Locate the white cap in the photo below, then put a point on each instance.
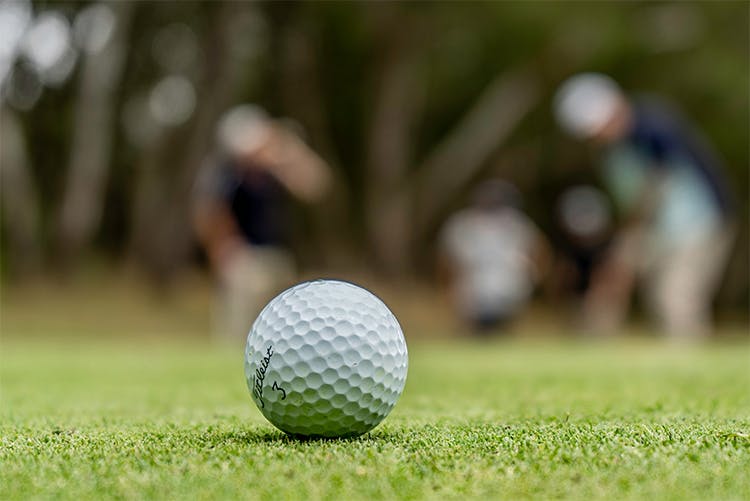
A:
(586, 102)
(243, 129)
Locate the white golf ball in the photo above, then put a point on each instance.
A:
(326, 358)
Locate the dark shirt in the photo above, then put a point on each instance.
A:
(661, 134)
(257, 201)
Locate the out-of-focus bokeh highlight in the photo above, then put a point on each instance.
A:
(488, 168)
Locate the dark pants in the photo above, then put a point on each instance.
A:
(487, 322)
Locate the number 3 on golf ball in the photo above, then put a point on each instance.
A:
(327, 359)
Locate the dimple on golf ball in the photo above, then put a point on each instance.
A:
(326, 358)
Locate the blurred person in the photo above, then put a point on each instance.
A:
(490, 257)
(240, 211)
(677, 217)
(585, 225)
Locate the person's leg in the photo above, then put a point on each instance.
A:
(280, 269)
(683, 287)
(607, 300)
(495, 322)
(240, 278)
(249, 278)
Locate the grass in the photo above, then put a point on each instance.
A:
(477, 420)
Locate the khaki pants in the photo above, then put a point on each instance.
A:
(679, 282)
(249, 278)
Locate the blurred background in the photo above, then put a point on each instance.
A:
(130, 176)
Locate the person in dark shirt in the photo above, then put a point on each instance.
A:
(676, 211)
(253, 191)
(583, 232)
(241, 211)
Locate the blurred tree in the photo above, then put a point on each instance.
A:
(410, 103)
(302, 100)
(93, 133)
(20, 202)
(396, 106)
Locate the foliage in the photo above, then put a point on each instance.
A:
(324, 65)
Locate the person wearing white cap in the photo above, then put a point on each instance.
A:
(676, 209)
(240, 211)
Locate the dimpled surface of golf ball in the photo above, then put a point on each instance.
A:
(326, 358)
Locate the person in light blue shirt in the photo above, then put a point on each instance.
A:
(675, 207)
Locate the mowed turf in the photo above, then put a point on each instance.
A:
(482, 420)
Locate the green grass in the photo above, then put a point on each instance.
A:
(501, 420)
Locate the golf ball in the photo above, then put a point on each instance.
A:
(326, 358)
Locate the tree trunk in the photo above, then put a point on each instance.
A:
(83, 200)
(302, 99)
(396, 104)
(20, 203)
(389, 154)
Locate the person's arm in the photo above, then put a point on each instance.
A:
(659, 147)
(212, 219)
(645, 208)
(607, 299)
(295, 165)
(216, 230)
